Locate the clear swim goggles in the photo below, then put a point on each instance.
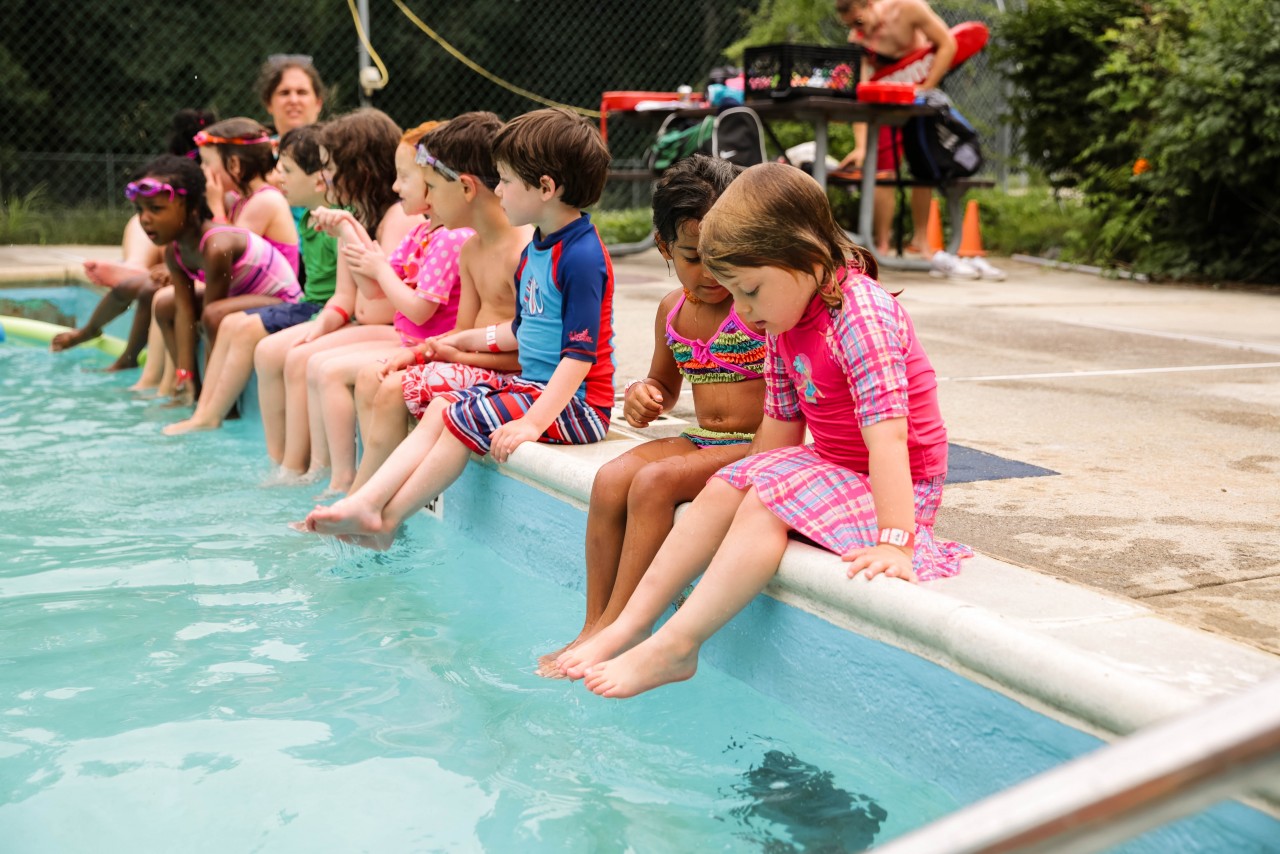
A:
(426, 158)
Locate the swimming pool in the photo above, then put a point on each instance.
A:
(180, 666)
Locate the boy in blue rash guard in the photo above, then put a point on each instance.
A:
(551, 164)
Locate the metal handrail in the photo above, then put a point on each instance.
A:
(1220, 750)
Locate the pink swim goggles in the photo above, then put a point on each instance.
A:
(151, 187)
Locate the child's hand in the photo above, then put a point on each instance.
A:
(642, 404)
(510, 436)
(368, 261)
(442, 350)
(398, 362)
(889, 560)
(328, 220)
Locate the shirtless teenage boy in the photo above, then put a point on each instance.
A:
(487, 266)
(889, 30)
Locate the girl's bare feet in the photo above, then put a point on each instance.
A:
(190, 425)
(660, 660)
(602, 646)
(547, 667)
(348, 516)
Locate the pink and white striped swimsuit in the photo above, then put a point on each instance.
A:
(260, 270)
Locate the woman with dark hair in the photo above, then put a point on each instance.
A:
(291, 91)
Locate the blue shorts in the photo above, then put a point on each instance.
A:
(474, 413)
(285, 314)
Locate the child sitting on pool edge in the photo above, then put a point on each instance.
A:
(551, 164)
(699, 337)
(844, 361)
(231, 363)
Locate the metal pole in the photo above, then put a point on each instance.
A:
(362, 9)
(1173, 769)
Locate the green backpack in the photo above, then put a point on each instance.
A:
(693, 136)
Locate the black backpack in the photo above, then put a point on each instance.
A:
(735, 135)
(942, 147)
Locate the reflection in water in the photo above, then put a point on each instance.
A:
(791, 796)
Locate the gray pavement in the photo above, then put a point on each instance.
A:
(1157, 405)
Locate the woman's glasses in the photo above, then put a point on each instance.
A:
(151, 187)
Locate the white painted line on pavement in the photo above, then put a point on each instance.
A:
(1181, 336)
(1113, 373)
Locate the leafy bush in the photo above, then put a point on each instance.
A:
(1166, 120)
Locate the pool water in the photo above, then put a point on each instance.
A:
(179, 666)
(180, 671)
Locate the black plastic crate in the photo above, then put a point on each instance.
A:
(778, 71)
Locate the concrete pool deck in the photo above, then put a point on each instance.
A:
(1137, 579)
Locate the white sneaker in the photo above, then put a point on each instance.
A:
(944, 265)
(986, 269)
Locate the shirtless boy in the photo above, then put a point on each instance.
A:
(889, 30)
(487, 266)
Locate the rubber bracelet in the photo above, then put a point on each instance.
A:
(491, 339)
(418, 358)
(626, 389)
(342, 312)
(182, 377)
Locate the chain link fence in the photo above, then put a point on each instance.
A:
(87, 87)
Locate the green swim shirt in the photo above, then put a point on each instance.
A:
(320, 258)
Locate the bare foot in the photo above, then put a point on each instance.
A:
(547, 667)
(281, 476)
(186, 397)
(144, 387)
(657, 661)
(72, 338)
(603, 645)
(348, 516)
(108, 274)
(190, 425)
(124, 363)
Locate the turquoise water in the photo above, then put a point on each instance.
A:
(177, 667)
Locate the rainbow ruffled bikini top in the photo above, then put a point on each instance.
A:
(735, 353)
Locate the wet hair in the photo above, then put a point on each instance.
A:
(775, 215)
(302, 144)
(560, 144)
(256, 159)
(183, 128)
(687, 191)
(273, 72)
(181, 173)
(414, 135)
(361, 146)
(465, 143)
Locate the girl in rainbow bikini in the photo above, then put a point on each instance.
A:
(699, 337)
(868, 486)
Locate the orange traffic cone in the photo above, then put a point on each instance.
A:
(971, 232)
(933, 231)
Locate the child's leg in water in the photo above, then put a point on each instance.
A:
(396, 489)
(269, 361)
(316, 423)
(230, 368)
(335, 390)
(153, 371)
(636, 496)
(685, 553)
(743, 565)
(384, 419)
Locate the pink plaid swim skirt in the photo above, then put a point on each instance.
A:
(832, 505)
(423, 382)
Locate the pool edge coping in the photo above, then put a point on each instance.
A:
(1099, 663)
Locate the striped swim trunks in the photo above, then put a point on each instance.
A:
(475, 413)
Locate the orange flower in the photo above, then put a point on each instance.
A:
(1141, 165)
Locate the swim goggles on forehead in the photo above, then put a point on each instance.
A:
(206, 138)
(426, 158)
(151, 187)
